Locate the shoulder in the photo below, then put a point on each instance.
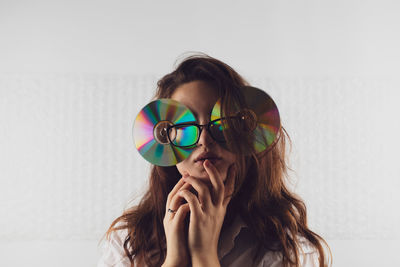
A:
(308, 255)
(112, 250)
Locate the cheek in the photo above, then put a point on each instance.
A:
(182, 167)
(230, 158)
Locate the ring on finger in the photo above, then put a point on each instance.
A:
(172, 211)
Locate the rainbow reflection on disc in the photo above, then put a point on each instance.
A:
(262, 109)
(149, 131)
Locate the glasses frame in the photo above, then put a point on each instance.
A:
(200, 127)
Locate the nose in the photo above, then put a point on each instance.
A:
(205, 138)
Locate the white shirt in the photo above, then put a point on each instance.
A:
(235, 248)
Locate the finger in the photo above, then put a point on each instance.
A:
(216, 181)
(202, 190)
(171, 194)
(193, 201)
(176, 201)
(181, 213)
(229, 184)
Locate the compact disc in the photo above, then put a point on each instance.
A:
(260, 117)
(150, 131)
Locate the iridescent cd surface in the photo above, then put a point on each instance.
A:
(263, 110)
(149, 131)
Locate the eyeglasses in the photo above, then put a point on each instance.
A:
(188, 134)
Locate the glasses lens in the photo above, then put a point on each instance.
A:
(183, 135)
(217, 129)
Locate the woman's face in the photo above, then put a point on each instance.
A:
(200, 98)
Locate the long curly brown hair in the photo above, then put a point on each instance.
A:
(276, 216)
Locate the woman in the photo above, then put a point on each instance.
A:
(219, 206)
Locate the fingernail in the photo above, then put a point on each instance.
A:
(209, 163)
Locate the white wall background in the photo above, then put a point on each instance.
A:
(74, 74)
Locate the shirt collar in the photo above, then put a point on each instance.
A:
(227, 237)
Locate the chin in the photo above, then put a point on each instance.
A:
(203, 175)
(198, 171)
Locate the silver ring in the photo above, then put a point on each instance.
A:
(172, 211)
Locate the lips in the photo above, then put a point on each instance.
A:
(207, 155)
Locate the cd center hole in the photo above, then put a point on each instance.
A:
(160, 132)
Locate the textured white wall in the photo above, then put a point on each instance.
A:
(74, 74)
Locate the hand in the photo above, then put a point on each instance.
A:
(207, 213)
(174, 227)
